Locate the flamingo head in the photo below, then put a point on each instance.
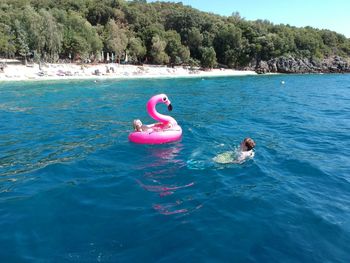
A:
(162, 98)
(151, 109)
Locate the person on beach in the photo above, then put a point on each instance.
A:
(243, 153)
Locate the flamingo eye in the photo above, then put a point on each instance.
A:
(164, 98)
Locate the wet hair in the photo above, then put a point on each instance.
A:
(249, 143)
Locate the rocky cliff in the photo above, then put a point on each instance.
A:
(334, 64)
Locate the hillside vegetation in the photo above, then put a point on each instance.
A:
(157, 33)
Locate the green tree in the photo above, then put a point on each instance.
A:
(228, 45)
(177, 52)
(308, 43)
(100, 12)
(7, 41)
(116, 39)
(22, 41)
(208, 57)
(158, 51)
(52, 36)
(80, 39)
(148, 33)
(136, 49)
(195, 39)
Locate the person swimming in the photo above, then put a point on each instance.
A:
(240, 155)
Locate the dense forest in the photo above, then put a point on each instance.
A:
(156, 33)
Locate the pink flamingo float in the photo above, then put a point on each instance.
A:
(166, 130)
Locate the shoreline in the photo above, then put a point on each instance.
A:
(71, 71)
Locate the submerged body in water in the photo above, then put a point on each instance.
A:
(237, 156)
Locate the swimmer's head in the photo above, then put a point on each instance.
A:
(247, 144)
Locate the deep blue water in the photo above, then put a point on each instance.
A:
(73, 189)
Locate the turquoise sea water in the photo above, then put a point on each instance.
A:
(73, 189)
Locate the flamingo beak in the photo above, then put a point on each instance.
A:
(170, 107)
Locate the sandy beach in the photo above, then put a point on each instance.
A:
(35, 72)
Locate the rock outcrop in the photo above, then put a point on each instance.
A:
(334, 64)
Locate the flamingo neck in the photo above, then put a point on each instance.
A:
(151, 109)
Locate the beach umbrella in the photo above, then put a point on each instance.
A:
(112, 57)
(107, 56)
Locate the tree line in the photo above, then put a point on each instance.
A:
(157, 33)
